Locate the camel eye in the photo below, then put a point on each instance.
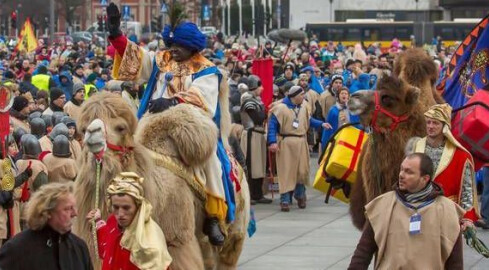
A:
(120, 128)
(387, 100)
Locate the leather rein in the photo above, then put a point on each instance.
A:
(396, 120)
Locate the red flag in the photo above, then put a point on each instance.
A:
(263, 68)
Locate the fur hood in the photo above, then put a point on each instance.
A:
(183, 131)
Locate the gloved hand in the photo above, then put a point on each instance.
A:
(161, 104)
(28, 171)
(113, 21)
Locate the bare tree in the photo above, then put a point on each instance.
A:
(68, 8)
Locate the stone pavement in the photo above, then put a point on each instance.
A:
(318, 237)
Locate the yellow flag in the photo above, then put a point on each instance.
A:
(27, 40)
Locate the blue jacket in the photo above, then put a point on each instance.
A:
(68, 86)
(332, 119)
(274, 126)
(99, 83)
(360, 83)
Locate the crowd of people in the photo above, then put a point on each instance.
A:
(312, 84)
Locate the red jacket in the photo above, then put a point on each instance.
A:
(114, 256)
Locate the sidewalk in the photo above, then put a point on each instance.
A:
(318, 237)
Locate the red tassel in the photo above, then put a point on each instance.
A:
(26, 194)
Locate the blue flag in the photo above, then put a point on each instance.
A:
(468, 70)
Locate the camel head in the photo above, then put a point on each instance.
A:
(416, 67)
(384, 108)
(107, 119)
(96, 136)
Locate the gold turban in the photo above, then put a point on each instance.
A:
(440, 112)
(143, 238)
(443, 113)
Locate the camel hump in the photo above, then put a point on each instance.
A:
(187, 129)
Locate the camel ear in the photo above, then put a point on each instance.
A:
(412, 95)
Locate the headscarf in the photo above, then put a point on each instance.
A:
(143, 238)
(443, 113)
(186, 34)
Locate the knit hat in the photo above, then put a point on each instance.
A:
(9, 75)
(78, 87)
(295, 91)
(336, 77)
(55, 93)
(91, 78)
(20, 102)
(290, 65)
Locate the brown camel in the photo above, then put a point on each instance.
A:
(383, 152)
(109, 123)
(416, 67)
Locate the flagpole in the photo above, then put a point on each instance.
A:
(51, 21)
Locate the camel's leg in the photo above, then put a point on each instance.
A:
(357, 203)
(187, 256)
(233, 246)
(229, 255)
(208, 253)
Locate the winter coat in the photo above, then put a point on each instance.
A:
(67, 87)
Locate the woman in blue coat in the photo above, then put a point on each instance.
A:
(338, 115)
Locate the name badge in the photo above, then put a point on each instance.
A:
(295, 124)
(415, 224)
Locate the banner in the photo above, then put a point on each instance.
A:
(263, 68)
(468, 69)
(27, 40)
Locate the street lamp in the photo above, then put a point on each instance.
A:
(331, 10)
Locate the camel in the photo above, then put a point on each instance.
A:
(383, 152)
(416, 67)
(179, 139)
(409, 92)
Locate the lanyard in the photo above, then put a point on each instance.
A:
(415, 208)
(297, 112)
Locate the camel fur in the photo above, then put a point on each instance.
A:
(416, 67)
(383, 152)
(157, 133)
(185, 135)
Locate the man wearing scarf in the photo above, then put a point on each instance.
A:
(57, 101)
(73, 106)
(413, 226)
(183, 75)
(454, 167)
(130, 239)
(20, 112)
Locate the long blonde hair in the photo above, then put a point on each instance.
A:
(43, 202)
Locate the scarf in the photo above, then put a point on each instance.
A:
(18, 115)
(76, 102)
(431, 191)
(56, 108)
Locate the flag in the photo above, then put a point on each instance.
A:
(263, 68)
(468, 69)
(27, 40)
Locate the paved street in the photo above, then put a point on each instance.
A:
(318, 237)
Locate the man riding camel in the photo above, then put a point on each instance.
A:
(182, 75)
